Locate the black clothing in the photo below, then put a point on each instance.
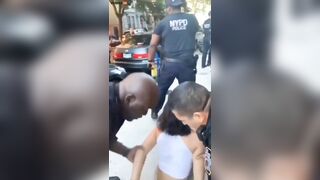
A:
(177, 33)
(168, 72)
(177, 37)
(207, 141)
(207, 29)
(242, 30)
(19, 139)
(205, 137)
(206, 55)
(116, 119)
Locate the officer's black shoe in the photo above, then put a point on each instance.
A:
(154, 115)
(114, 178)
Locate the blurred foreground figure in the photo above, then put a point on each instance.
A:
(264, 126)
(53, 114)
(241, 31)
(69, 96)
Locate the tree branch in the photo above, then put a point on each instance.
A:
(115, 9)
(122, 10)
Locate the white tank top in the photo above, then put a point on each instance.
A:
(175, 158)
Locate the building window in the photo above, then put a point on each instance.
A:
(129, 22)
(133, 22)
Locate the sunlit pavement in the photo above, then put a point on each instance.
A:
(133, 133)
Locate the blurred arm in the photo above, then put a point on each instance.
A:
(119, 148)
(155, 41)
(198, 161)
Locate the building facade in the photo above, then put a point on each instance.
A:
(134, 19)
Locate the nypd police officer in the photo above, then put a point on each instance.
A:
(176, 35)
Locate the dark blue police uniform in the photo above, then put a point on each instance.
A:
(206, 43)
(116, 119)
(177, 33)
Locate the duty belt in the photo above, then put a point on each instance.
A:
(191, 62)
(172, 60)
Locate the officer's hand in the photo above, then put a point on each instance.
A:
(132, 153)
(153, 65)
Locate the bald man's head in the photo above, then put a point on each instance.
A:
(138, 93)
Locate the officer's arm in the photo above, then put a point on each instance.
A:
(155, 41)
(119, 148)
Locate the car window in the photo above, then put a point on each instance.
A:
(145, 39)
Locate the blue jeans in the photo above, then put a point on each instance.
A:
(170, 71)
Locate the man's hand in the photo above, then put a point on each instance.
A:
(153, 64)
(132, 153)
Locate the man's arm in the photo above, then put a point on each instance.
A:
(119, 148)
(155, 41)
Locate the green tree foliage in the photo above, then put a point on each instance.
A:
(199, 5)
(154, 7)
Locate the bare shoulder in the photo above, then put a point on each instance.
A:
(155, 132)
(193, 142)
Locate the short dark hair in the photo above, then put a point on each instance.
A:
(169, 124)
(187, 98)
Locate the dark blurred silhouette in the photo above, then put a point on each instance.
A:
(241, 30)
(53, 115)
(262, 122)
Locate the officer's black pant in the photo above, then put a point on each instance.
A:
(206, 51)
(168, 72)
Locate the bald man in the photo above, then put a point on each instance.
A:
(128, 100)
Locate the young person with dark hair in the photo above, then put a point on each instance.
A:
(193, 108)
(178, 145)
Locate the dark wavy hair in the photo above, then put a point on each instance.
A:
(187, 98)
(169, 124)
